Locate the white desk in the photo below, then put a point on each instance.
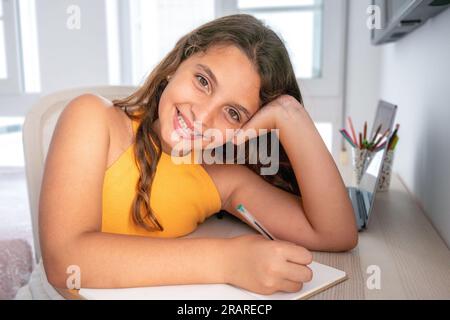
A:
(414, 261)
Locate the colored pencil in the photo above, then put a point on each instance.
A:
(365, 130)
(381, 146)
(352, 129)
(379, 139)
(376, 142)
(376, 134)
(347, 137)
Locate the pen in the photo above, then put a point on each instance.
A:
(250, 219)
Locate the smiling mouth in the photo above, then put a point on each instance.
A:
(186, 131)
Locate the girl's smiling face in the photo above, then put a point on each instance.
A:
(216, 90)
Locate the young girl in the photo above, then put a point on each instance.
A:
(114, 203)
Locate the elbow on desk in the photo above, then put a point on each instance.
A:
(349, 243)
(61, 266)
(346, 242)
(54, 276)
(336, 242)
(339, 245)
(343, 236)
(338, 234)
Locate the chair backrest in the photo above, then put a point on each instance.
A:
(38, 129)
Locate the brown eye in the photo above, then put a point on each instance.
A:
(203, 82)
(235, 115)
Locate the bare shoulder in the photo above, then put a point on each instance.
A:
(90, 100)
(82, 130)
(101, 111)
(74, 170)
(228, 177)
(86, 106)
(106, 118)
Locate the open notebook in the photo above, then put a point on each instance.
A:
(323, 276)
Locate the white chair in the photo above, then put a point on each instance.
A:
(38, 129)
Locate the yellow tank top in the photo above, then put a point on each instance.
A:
(182, 196)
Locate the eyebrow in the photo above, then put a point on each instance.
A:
(209, 72)
(214, 79)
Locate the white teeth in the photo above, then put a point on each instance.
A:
(185, 127)
(182, 122)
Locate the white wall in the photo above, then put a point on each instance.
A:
(68, 58)
(363, 67)
(416, 76)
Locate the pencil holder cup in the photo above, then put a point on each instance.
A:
(360, 161)
(386, 171)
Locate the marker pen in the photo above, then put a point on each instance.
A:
(258, 226)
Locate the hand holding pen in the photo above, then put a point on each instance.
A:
(265, 267)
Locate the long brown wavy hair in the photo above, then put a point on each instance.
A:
(264, 49)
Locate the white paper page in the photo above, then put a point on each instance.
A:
(227, 227)
(322, 276)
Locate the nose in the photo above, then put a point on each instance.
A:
(204, 114)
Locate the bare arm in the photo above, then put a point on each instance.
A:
(324, 197)
(322, 218)
(70, 217)
(118, 261)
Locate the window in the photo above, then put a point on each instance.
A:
(3, 67)
(157, 25)
(29, 46)
(10, 80)
(19, 59)
(113, 40)
(325, 130)
(298, 22)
